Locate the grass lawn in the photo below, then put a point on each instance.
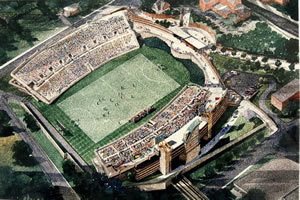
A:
(78, 139)
(6, 155)
(241, 126)
(50, 150)
(109, 102)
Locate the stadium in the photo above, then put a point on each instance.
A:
(124, 106)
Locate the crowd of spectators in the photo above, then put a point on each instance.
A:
(139, 143)
(57, 67)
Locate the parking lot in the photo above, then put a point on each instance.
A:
(245, 84)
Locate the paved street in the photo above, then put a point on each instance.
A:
(279, 21)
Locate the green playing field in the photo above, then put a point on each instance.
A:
(110, 101)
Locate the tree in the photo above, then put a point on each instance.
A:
(223, 50)
(209, 171)
(237, 151)
(30, 122)
(221, 194)
(6, 131)
(3, 56)
(254, 194)
(252, 142)
(213, 47)
(92, 4)
(277, 63)
(233, 53)
(5, 128)
(228, 156)
(219, 164)
(257, 65)
(20, 185)
(68, 167)
(131, 175)
(265, 59)
(253, 58)
(292, 66)
(292, 9)
(22, 154)
(267, 68)
(290, 108)
(243, 55)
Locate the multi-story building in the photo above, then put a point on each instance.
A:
(288, 92)
(226, 7)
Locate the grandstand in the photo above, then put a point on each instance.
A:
(181, 124)
(54, 69)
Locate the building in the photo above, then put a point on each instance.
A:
(169, 139)
(285, 94)
(225, 8)
(71, 10)
(280, 2)
(278, 179)
(160, 6)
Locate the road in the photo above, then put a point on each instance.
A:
(279, 21)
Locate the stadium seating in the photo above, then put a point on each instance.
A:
(139, 143)
(58, 66)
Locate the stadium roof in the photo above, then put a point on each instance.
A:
(188, 37)
(287, 91)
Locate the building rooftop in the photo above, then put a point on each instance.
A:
(287, 91)
(72, 7)
(222, 8)
(231, 1)
(207, 1)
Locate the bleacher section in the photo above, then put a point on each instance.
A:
(138, 144)
(51, 71)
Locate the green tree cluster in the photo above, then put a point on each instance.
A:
(263, 40)
(97, 186)
(18, 185)
(30, 123)
(5, 128)
(23, 154)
